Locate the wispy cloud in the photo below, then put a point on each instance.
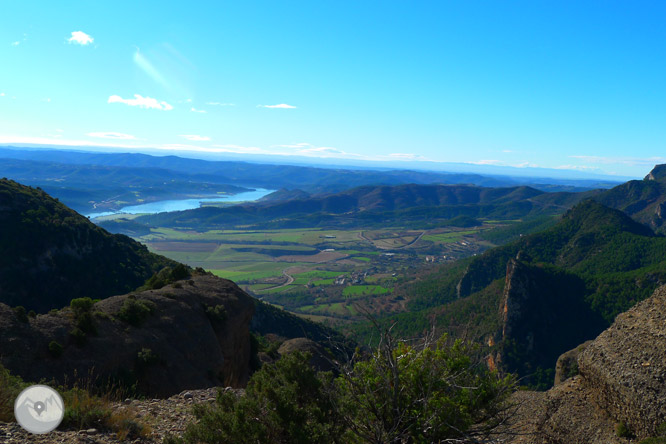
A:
(16, 43)
(407, 156)
(142, 102)
(488, 162)
(80, 38)
(577, 167)
(280, 106)
(220, 104)
(2, 94)
(195, 137)
(507, 151)
(526, 165)
(147, 67)
(194, 110)
(631, 161)
(112, 135)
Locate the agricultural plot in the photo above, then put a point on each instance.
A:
(321, 274)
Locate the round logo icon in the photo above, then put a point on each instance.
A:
(39, 409)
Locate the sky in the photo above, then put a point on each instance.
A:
(567, 84)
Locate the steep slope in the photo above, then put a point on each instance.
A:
(644, 200)
(191, 334)
(49, 254)
(535, 298)
(621, 380)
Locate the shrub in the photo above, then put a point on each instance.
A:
(217, 314)
(622, 431)
(660, 440)
(134, 311)
(146, 357)
(84, 410)
(431, 393)
(284, 402)
(78, 336)
(21, 314)
(10, 387)
(81, 305)
(56, 349)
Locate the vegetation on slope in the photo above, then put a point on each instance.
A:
(49, 254)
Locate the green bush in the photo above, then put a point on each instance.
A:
(217, 313)
(660, 440)
(81, 305)
(10, 387)
(284, 402)
(56, 349)
(622, 431)
(134, 311)
(21, 314)
(400, 393)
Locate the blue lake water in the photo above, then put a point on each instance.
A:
(183, 204)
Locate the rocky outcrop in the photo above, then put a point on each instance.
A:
(626, 366)
(320, 359)
(196, 335)
(622, 380)
(567, 363)
(543, 314)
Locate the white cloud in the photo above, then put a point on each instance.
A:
(507, 151)
(2, 94)
(80, 38)
(632, 161)
(488, 162)
(195, 137)
(194, 110)
(142, 102)
(281, 106)
(526, 165)
(322, 150)
(110, 135)
(220, 104)
(16, 43)
(577, 167)
(407, 156)
(229, 148)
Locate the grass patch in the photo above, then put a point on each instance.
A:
(364, 290)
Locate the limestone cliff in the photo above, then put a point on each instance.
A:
(196, 335)
(622, 380)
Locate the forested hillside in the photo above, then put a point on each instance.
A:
(596, 262)
(49, 254)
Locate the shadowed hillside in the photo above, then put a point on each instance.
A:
(49, 254)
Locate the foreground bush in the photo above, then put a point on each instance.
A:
(432, 392)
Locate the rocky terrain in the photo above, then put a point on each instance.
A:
(188, 335)
(621, 383)
(162, 417)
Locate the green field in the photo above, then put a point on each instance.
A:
(364, 290)
(263, 260)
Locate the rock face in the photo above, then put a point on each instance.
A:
(197, 335)
(567, 363)
(622, 380)
(320, 360)
(543, 315)
(626, 366)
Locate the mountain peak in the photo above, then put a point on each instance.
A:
(658, 173)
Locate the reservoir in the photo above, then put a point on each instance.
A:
(163, 206)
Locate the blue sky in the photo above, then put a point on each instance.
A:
(578, 85)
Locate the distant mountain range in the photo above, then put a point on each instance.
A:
(424, 205)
